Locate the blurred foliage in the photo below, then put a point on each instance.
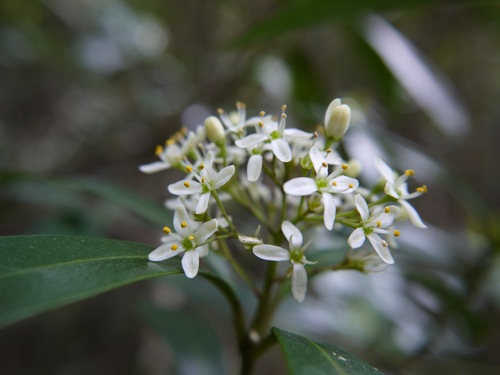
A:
(89, 87)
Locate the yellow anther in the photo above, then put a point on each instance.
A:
(396, 233)
(345, 167)
(387, 210)
(409, 172)
(158, 150)
(240, 105)
(202, 166)
(351, 186)
(191, 237)
(384, 243)
(379, 224)
(283, 107)
(283, 115)
(187, 184)
(315, 135)
(422, 189)
(261, 124)
(328, 151)
(334, 183)
(262, 113)
(189, 169)
(167, 230)
(174, 247)
(220, 111)
(203, 179)
(184, 224)
(324, 164)
(183, 130)
(170, 141)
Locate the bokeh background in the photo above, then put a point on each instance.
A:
(88, 88)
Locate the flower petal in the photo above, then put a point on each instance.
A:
(281, 150)
(205, 230)
(317, 157)
(412, 214)
(224, 176)
(292, 234)
(362, 207)
(202, 205)
(154, 167)
(334, 104)
(202, 251)
(382, 251)
(251, 140)
(385, 170)
(191, 263)
(342, 184)
(299, 282)
(300, 186)
(329, 210)
(185, 187)
(163, 252)
(181, 216)
(254, 167)
(357, 238)
(271, 252)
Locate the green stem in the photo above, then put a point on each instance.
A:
(223, 211)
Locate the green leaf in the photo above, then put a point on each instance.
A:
(306, 357)
(38, 273)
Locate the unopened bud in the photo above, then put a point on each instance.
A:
(214, 129)
(314, 202)
(337, 118)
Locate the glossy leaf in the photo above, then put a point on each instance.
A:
(38, 273)
(307, 357)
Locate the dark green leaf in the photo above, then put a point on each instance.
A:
(306, 357)
(38, 273)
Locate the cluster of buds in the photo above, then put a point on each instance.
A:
(285, 178)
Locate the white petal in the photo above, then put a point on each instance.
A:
(329, 210)
(154, 167)
(202, 251)
(389, 189)
(292, 234)
(357, 238)
(412, 214)
(163, 252)
(384, 170)
(300, 186)
(224, 176)
(205, 230)
(251, 140)
(179, 188)
(282, 150)
(254, 167)
(334, 104)
(297, 134)
(202, 205)
(191, 263)
(343, 184)
(316, 157)
(382, 251)
(181, 216)
(362, 207)
(271, 252)
(299, 282)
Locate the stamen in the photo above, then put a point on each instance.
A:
(334, 183)
(324, 164)
(240, 105)
(189, 169)
(262, 113)
(379, 224)
(184, 224)
(202, 166)
(422, 189)
(315, 135)
(184, 130)
(203, 179)
(387, 210)
(328, 151)
(170, 141)
(187, 184)
(409, 172)
(345, 167)
(283, 115)
(191, 237)
(220, 111)
(351, 186)
(174, 247)
(158, 150)
(384, 243)
(167, 230)
(396, 233)
(261, 124)
(283, 107)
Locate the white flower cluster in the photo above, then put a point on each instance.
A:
(285, 178)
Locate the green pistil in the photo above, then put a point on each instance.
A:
(321, 184)
(296, 256)
(275, 135)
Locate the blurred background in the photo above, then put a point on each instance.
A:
(88, 88)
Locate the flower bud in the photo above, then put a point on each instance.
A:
(214, 129)
(337, 119)
(314, 202)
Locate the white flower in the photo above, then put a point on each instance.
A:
(273, 132)
(375, 221)
(324, 184)
(295, 256)
(208, 181)
(397, 188)
(190, 238)
(236, 122)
